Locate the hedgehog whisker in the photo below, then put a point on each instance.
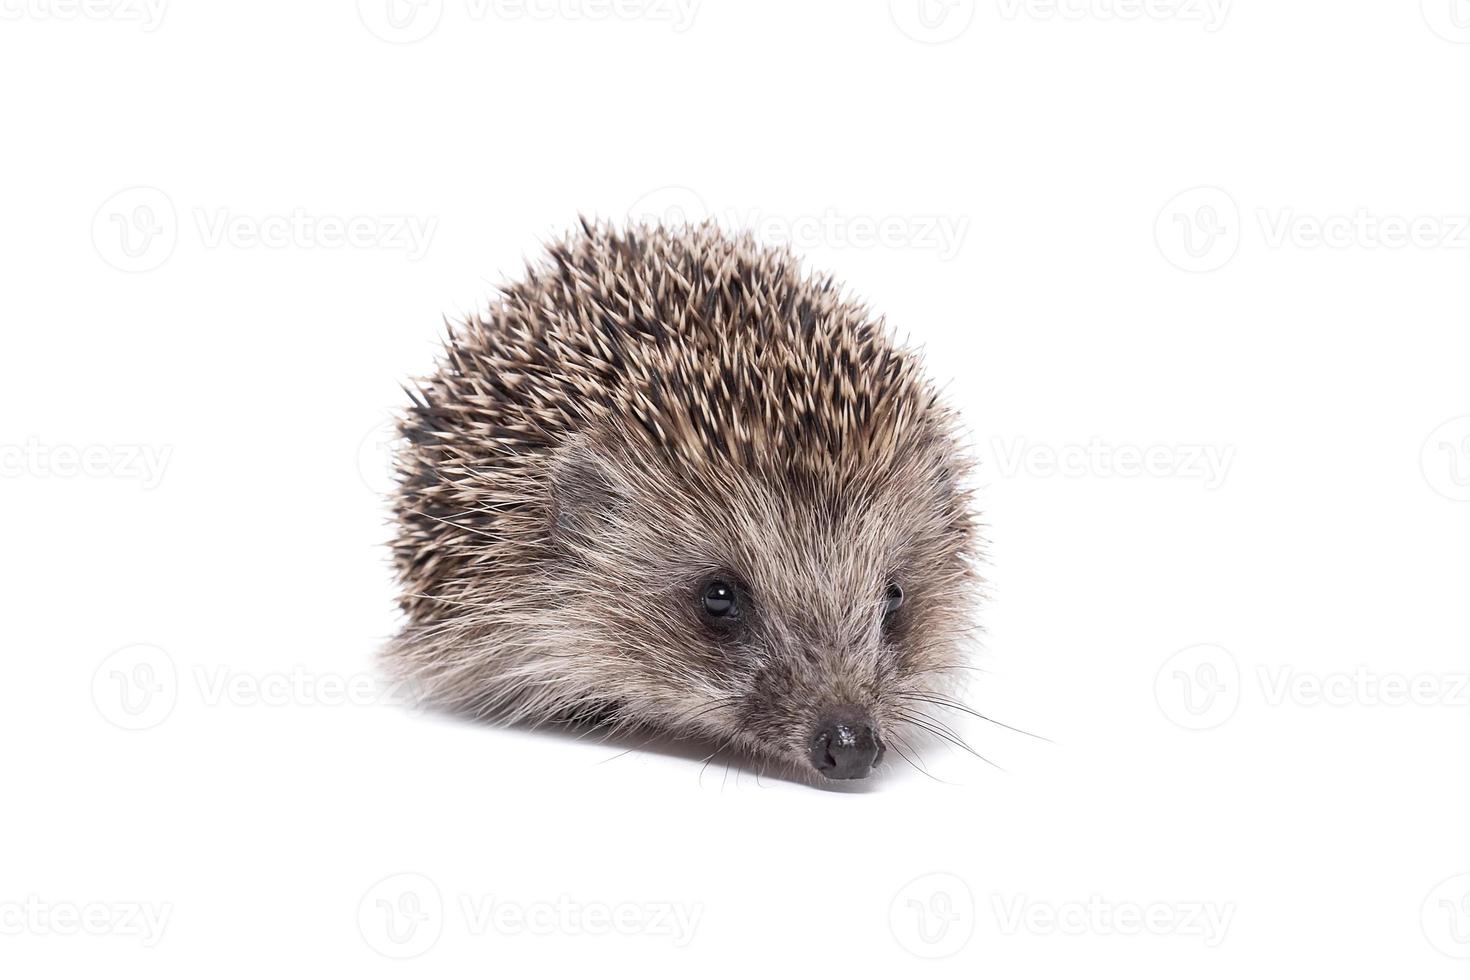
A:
(940, 700)
(915, 714)
(919, 768)
(699, 781)
(694, 714)
(947, 736)
(945, 668)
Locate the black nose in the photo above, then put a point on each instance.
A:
(845, 749)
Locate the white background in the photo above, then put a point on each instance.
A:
(1177, 233)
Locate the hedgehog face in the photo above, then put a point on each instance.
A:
(803, 627)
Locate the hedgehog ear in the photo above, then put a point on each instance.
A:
(584, 490)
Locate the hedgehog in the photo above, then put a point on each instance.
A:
(672, 483)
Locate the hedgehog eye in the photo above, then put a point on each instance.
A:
(719, 599)
(892, 599)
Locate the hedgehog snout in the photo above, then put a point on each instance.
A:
(845, 745)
